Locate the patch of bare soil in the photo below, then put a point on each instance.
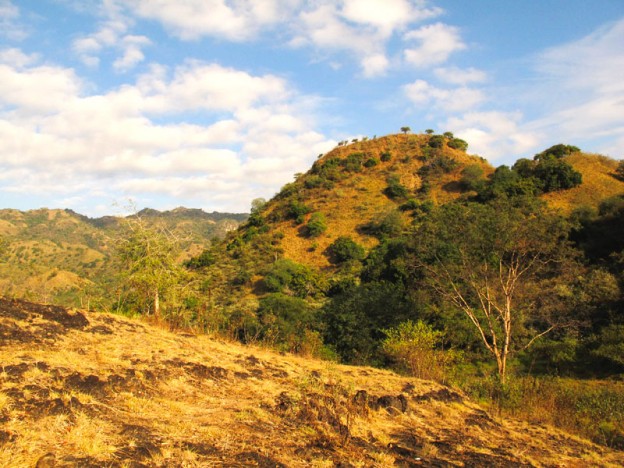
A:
(81, 389)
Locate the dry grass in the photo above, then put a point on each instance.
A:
(114, 391)
(598, 184)
(358, 198)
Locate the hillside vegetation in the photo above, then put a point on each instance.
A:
(92, 389)
(61, 256)
(401, 252)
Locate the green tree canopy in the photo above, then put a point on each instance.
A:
(503, 265)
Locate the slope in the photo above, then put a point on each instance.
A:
(50, 253)
(359, 184)
(86, 389)
(599, 183)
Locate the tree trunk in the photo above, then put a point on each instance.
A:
(156, 304)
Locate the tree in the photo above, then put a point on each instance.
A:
(619, 171)
(344, 249)
(406, 130)
(148, 255)
(503, 265)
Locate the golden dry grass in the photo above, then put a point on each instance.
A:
(358, 198)
(101, 390)
(598, 184)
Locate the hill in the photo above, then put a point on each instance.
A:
(88, 389)
(349, 187)
(54, 254)
(599, 183)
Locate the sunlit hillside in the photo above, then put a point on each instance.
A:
(87, 389)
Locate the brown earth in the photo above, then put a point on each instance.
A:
(81, 389)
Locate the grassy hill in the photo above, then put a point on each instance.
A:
(348, 184)
(52, 254)
(90, 389)
(599, 183)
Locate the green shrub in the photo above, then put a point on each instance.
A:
(557, 151)
(395, 189)
(371, 162)
(437, 166)
(316, 225)
(344, 249)
(412, 346)
(458, 143)
(386, 156)
(436, 141)
(353, 162)
(313, 181)
(297, 211)
(291, 278)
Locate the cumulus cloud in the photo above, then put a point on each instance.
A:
(134, 140)
(235, 21)
(495, 134)
(434, 44)
(112, 33)
(424, 94)
(361, 28)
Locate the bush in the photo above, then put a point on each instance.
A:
(556, 174)
(436, 141)
(412, 346)
(297, 211)
(472, 177)
(313, 181)
(437, 166)
(371, 162)
(353, 162)
(285, 320)
(557, 151)
(291, 278)
(316, 226)
(619, 171)
(344, 249)
(395, 189)
(458, 144)
(385, 156)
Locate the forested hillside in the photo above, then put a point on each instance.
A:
(61, 256)
(405, 251)
(402, 251)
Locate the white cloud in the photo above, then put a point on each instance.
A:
(361, 28)
(16, 58)
(494, 134)
(9, 24)
(235, 21)
(423, 94)
(589, 73)
(458, 76)
(55, 138)
(112, 34)
(435, 43)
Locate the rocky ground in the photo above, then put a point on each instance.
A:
(80, 389)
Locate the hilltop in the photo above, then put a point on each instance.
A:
(90, 389)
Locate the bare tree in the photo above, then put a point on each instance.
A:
(502, 267)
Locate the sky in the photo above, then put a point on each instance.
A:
(212, 103)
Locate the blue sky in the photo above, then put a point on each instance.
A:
(211, 103)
